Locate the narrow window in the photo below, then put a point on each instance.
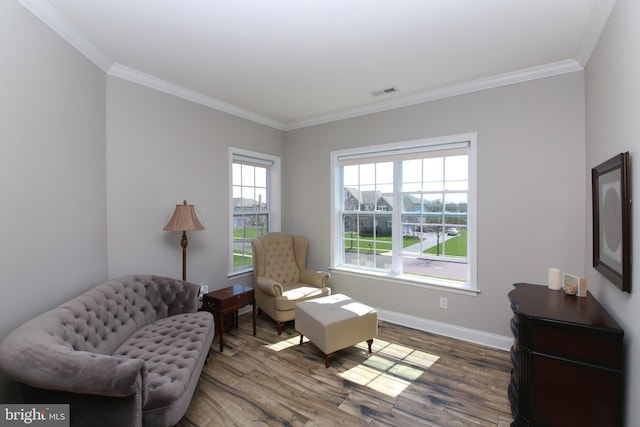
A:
(255, 203)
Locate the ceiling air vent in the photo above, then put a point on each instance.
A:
(384, 91)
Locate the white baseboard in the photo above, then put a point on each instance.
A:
(465, 334)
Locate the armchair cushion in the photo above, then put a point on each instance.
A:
(290, 298)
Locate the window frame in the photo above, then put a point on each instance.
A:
(379, 151)
(273, 164)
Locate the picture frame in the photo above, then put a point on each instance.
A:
(612, 220)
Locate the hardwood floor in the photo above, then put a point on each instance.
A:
(412, 378)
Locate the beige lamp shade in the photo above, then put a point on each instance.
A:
(184, 219)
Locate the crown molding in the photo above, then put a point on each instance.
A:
(135, 76)
(533, 73)
(597, 21)
(51, 17)
(59, 24)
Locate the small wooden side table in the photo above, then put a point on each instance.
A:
(228, 301)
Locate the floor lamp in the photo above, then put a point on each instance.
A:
(184, 219)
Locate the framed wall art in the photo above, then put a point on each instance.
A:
(612, 220)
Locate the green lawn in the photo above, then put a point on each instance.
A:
(382, 244)
(249, 233)
(455, 246)
(243, 259)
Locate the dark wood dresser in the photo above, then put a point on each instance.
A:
(568, 361)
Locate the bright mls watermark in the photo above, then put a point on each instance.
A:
(34, 415)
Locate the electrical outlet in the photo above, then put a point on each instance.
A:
(443, 302)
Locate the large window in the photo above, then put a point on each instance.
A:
(407, 211)
(255, 203)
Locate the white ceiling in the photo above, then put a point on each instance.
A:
(295, 63)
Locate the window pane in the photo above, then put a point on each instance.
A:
(351, 176)
(350, 239)
(261, 177)
(384, 173)
(368, 189)
(237, 173)
(433, 169)
(412, 175)
(248, 175)
(367, 174)
(457, 168)
(261, 199)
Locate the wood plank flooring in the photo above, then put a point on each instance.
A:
(412, 378)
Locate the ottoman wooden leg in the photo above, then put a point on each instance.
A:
(370, 342)
(327, 359)
(301, 336)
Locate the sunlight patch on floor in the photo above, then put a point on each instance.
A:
(391, 368)
(285, 344)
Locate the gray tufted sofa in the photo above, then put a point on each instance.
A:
(128, 352)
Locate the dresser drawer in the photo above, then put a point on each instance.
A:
(588, 346)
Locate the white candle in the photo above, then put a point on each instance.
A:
(555, 278)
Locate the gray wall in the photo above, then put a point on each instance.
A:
(613, 126)
(52, 171)
(531, 192)
(160, 151)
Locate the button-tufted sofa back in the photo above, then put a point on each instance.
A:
(101, 319)
(284, 257)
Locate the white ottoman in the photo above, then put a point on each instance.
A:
(335, 322)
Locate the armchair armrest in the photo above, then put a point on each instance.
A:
(318, 279)
(269, 286)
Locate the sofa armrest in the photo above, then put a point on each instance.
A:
(269, 286)
(57, 367)
(318, 279)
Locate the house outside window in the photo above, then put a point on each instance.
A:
(407, 211)
(254, 204)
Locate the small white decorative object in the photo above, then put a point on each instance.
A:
(555, 279)
(203, 290)
(574, 285)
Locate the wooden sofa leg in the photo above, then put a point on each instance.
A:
(280, 325)
(370, 342)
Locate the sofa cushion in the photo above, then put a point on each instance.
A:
(171, 348)
(101, 319)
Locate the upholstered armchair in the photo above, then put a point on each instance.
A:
(280, 278)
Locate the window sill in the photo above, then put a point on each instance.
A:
(409, 280)
(242, 273)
